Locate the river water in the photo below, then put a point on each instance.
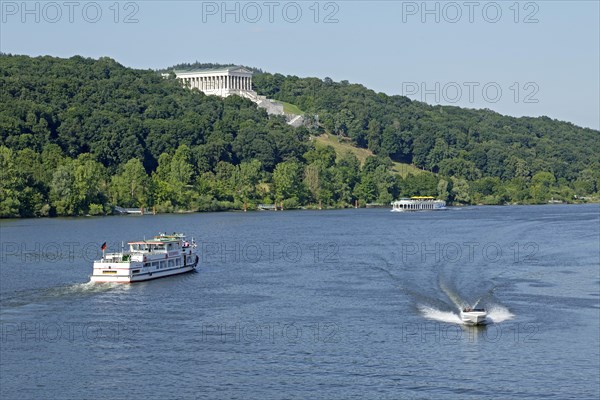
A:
(309, 304)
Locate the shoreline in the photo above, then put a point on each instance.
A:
(305, 208)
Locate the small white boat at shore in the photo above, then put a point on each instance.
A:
(162, 256)
(473, 316)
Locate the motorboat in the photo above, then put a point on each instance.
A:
(473, 316)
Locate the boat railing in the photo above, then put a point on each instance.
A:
(115, 258)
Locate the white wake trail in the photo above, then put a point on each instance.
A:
(439, 315)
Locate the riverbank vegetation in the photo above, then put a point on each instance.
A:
(79, 136)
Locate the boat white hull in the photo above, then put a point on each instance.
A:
(133, 273)
(140, 277)
(473, 317)
(418, 204)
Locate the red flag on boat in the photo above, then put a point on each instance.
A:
(103, 247)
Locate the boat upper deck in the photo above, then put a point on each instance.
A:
(171, 245)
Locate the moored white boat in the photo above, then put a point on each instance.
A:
(162, 256)
(473, 316)
(418, 203)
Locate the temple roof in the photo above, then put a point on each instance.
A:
(233, 68)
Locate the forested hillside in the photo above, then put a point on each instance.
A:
(78, 136)
(450, 140)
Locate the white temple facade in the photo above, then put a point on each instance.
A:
(221, 82)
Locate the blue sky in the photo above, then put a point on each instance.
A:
(518, 58)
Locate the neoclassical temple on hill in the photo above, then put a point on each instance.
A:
(221, 82)
(229, 81)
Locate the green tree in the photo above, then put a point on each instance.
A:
(541, 183)
(460, 191)
(10, 184)
(131, 187)
(442, 189)
(287, 181)
(62, 190)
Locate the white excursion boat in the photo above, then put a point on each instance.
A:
(164, 255)
(473, 316)
(418, 203)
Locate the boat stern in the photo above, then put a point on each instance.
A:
(104, 272)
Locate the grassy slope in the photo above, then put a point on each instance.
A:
(345, 145)
(289, 108)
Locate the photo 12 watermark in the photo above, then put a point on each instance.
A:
(468, 252)
(228, 252)
(253, 12)
(271, 332)
(52, 332)
(454, 12)
(436, 332)
(54, 12)
(270, 252)
(472, 92)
